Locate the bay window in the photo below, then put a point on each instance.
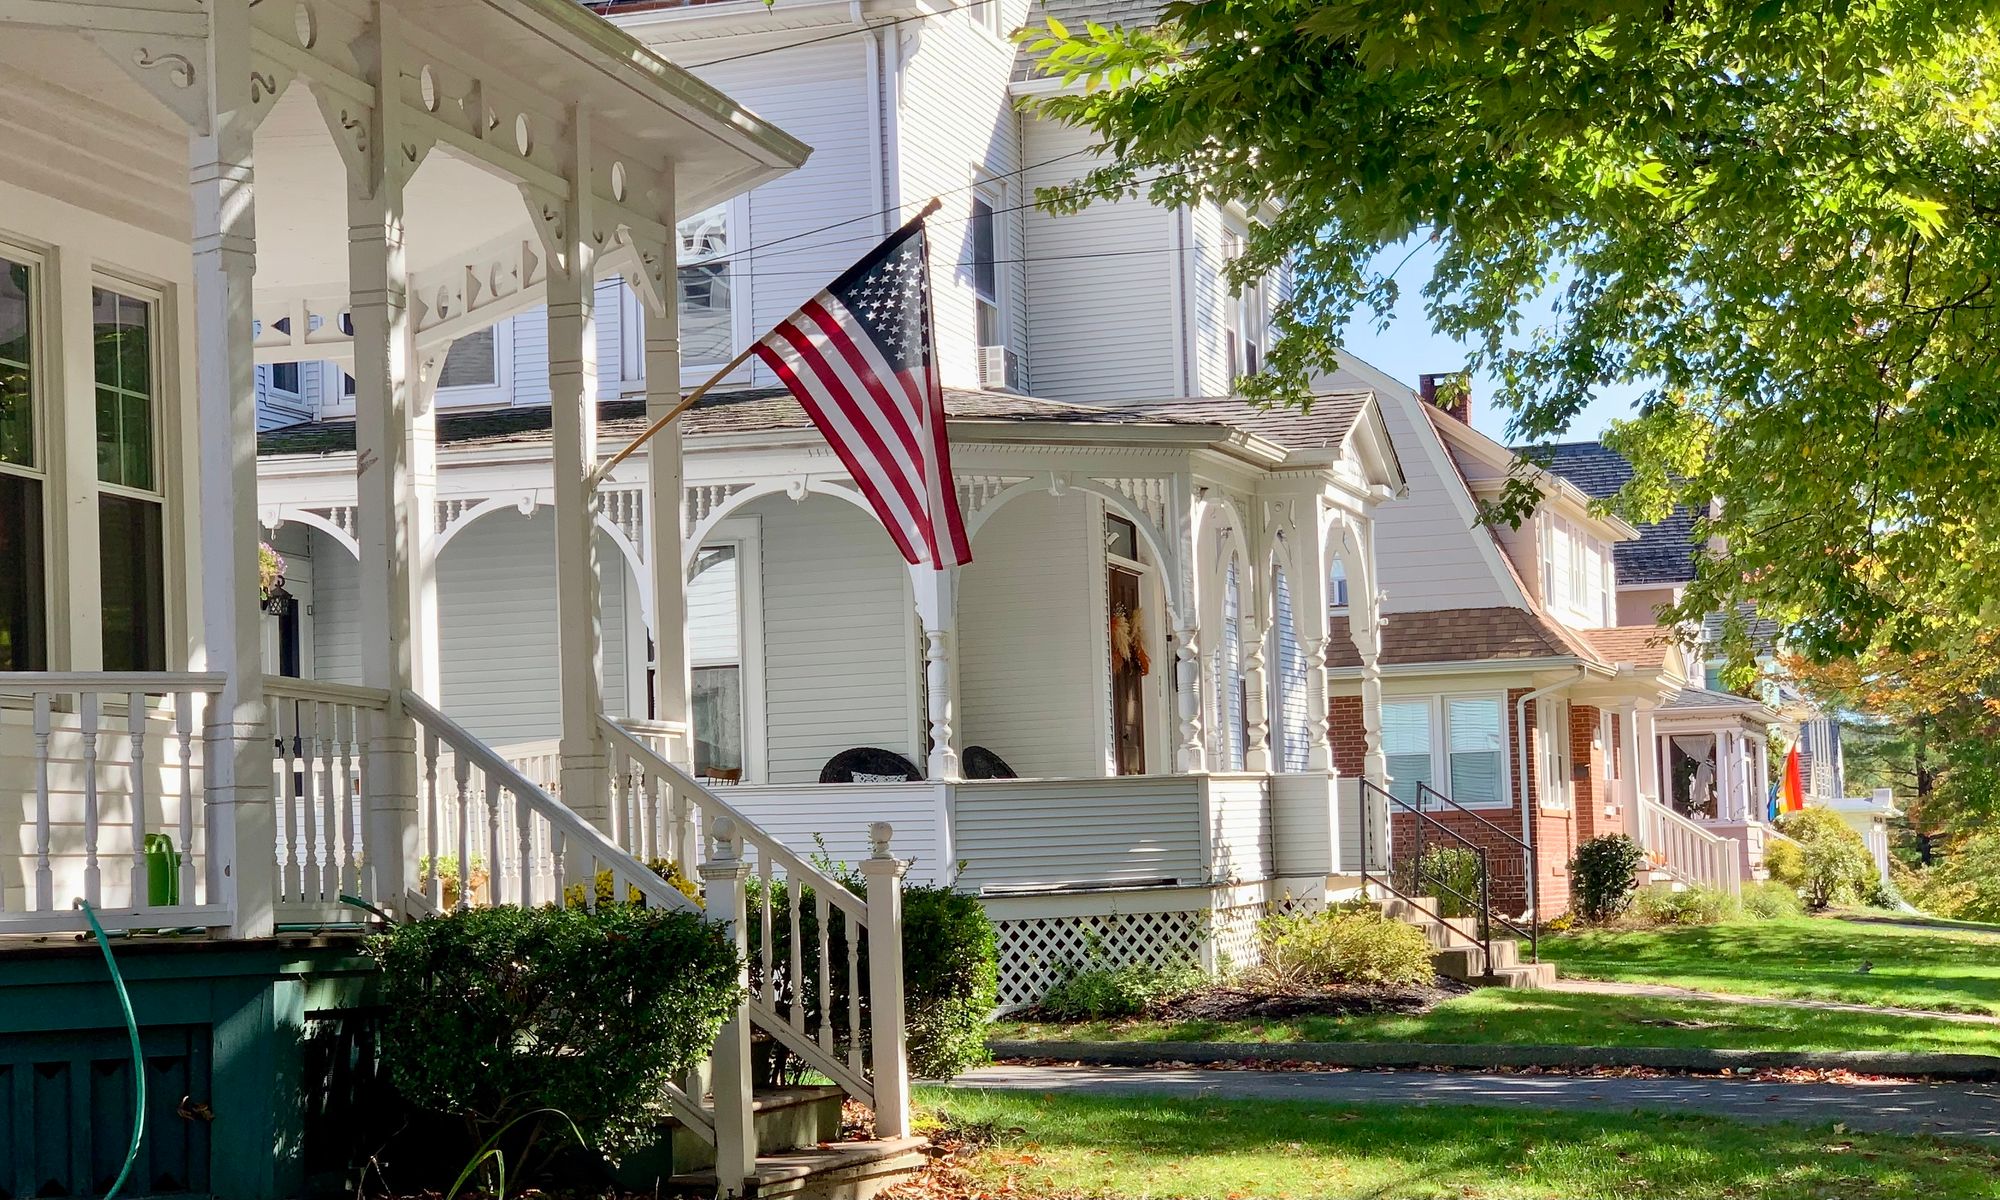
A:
(23, 584)
(130, 501)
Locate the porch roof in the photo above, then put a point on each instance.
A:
(773, 410)
(1644, 646)
(1703, 702)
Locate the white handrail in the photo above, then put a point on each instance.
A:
(1691, 853)
(570, 833)
(155, 683)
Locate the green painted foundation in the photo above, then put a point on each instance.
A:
(236, 1036)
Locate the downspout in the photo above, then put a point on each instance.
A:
(1529, 803)
(877, 118)
(892, 102)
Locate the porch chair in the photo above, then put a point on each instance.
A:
(868, 764)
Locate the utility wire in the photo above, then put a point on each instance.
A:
(849, 32)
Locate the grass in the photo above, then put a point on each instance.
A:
(1114, 1146)
(1503, 1016)
(1802, 959)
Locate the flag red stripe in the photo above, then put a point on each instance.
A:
(898, 516)
(869, 431)
(843, 341)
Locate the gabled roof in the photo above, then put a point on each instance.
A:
(1647, 647)
(1665, 551)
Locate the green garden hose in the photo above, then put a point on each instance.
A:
(138, 1058)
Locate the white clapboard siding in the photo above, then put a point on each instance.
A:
(19, 807)
(958, 124)
(1240, 828)
(834, 819)
(839, 637)
(1210, 303)
(1302, 824)
(530, 339)
(1099, 285)
(1427, 548)
(1029, 667)
(497, 613)
(1018, 832)
(1291, 727)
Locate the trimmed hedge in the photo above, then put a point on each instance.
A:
(494, 1013)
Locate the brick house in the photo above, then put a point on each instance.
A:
(1511, 669)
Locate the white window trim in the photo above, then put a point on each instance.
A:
(737, 223)
(44, 448)
(992, 191)
(746, 534)
(989, 15)
(1556, 791)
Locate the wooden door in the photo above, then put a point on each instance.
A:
(1128, 676)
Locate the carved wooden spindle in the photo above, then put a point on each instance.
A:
(92, 875)
(184, 734)
(44, 876)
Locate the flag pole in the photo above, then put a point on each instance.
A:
(603, 472)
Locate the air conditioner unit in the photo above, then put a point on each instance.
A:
(999, 368)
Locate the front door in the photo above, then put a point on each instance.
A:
(1128, 673)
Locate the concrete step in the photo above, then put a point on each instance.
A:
(785, 1119)
(1469, 962)
(838, 1171)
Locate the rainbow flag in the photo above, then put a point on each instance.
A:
(1791, 791)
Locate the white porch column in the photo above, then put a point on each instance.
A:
(937, 608)
(1190, 746)
(1627, 751)
(664, 553)
(237, 746)
(573, 419)
(1760, 806)
(1364, 627)
(395, 477)
(1256, 687)
(1646, 751)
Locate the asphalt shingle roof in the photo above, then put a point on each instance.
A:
(1665, 551)
(772, 409)
(1453, 635)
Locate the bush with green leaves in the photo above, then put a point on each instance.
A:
(1695, 904)
(951, 974)
(1451, 876)
(1342, 946)
(1098, 992)
(1965, 883)
(1769, 900)
(552, 1014)
(1831, 864)
(1603, 874)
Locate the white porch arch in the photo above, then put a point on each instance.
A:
(1058, 485)
(796, 489)
(314, 520)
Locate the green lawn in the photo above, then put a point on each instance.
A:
(1105, 1146)
(1499, 1015)
(1805, 958)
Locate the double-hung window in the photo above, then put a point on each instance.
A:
(23, 477)
(1552, 752)
(1244, 334)
(986, 272)
(1454, 745)
(1478, 749)
(708, 322)
(130, 502)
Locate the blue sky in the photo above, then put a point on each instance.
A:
(1409, 347)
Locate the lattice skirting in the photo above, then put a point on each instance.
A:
(1034, 950)
(1233, 936)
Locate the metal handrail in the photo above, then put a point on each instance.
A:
(1487, 914)
(1531, 858)
(1484, 935)
(1425, 789)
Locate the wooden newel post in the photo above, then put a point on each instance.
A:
(726, 873)
(887, 1048)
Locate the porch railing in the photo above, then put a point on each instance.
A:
(321, 740)
(118, 811)
(1687, 851)
(807, 933)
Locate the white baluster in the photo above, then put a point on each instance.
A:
(621, 786)
(287, 795)
(462, 772)
(44, 877)
(326, 725)
(364, 730)
(765, 991)
(340, 835)
(92, 876)
(851, 933)
(494, 865)
(433, 813)
(794, 896)
(825, 975)
(524, 830)
(184, 730)
(135, 723)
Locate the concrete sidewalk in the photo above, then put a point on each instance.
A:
(1963, 1110)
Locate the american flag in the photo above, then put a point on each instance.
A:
(861, 359)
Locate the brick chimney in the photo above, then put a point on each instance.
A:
(1453, 385)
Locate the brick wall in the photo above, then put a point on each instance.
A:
(1556, 833)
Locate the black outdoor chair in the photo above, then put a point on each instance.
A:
(980, 763)
(871, 763)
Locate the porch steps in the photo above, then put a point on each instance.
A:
(1458, 956)
(836, 1171)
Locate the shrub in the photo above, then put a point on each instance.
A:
(1450, 874)
(1602, 875)
(1771, 900)
(494, 1013)
(604, 887)
(951, 973)
(1965, 883)
(1697, 904)
(1560, 923)
(1831, 864)
(951, 979)
(1095, 993)
(1336, 946)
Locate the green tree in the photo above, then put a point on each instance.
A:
(1780, 219)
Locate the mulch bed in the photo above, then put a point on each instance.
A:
(1227, 1002)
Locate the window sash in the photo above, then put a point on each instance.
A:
(707, 288)
(19, 329)
(122, 332)
(1476, 747)
(132, 571)
(24, 598)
